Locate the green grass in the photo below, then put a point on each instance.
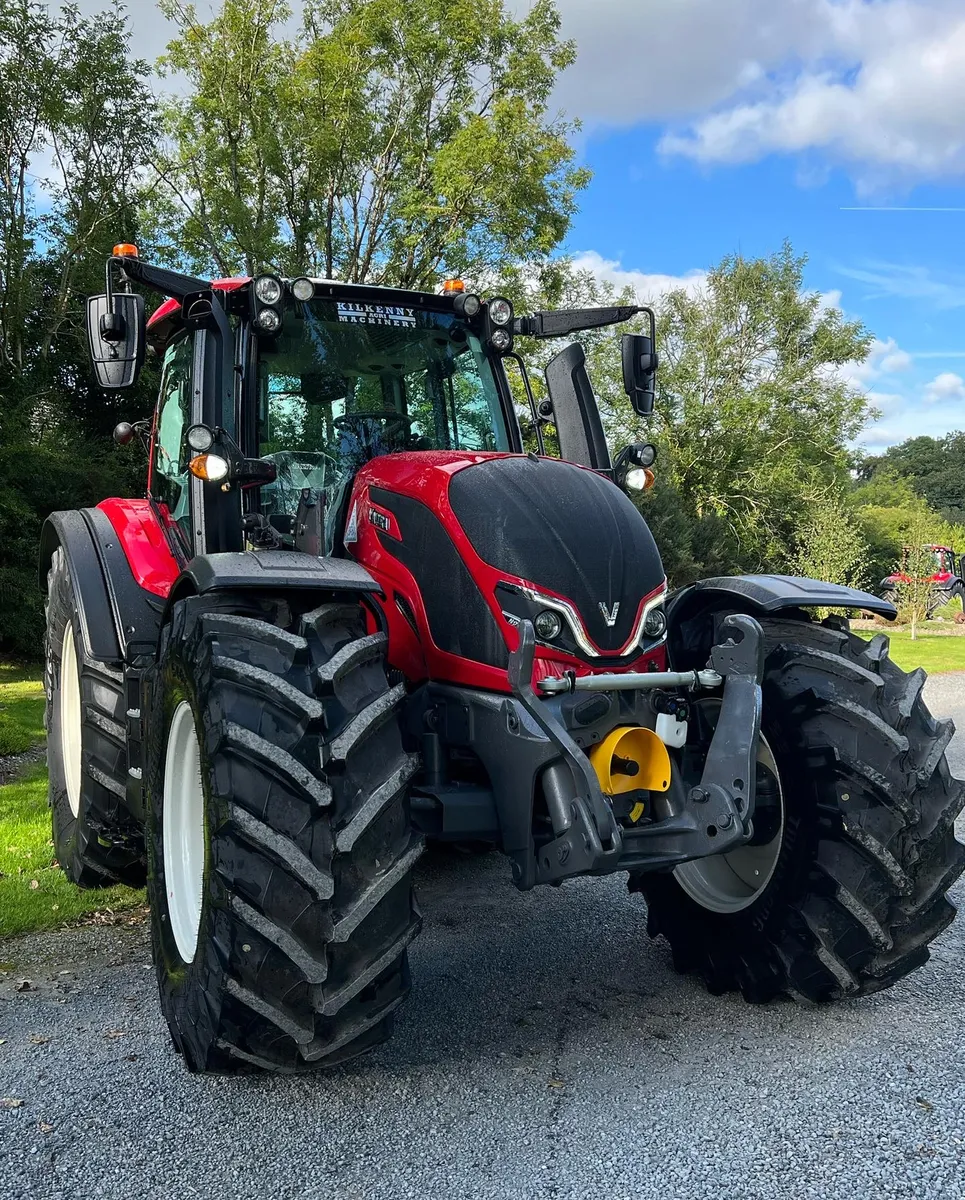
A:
(936, 652)
(21, 708)
(34, 892)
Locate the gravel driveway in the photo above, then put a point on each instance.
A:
(547, 1051)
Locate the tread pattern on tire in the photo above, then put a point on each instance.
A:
(304, 958)
(861, 893)
(104, 844)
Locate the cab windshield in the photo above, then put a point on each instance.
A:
(345, 382)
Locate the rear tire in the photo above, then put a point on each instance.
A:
(868, 852)
(283, 946)
(96, 840)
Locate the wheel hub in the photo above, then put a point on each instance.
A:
(70, 719)
(729, 883)
(182, 831)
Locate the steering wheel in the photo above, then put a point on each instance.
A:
(350, 422)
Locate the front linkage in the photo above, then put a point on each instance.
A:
(712, 817)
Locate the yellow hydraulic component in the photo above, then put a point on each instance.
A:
(631, 759)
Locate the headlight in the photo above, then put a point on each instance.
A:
(548, 625)
(636, 479)
(209, 466)
(655, 623)
(199, 438)
(268, 320)
(303, 288)
(501, 340)
(268, 289)
(500, 311)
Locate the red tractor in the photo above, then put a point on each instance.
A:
(352, 613)
(946, 578)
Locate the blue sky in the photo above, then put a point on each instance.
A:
(901, 273)
(715, 126)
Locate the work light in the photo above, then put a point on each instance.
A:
(268, 289)
(268, 320)
(500, 311)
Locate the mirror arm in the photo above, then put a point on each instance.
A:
(537, 419)
(158, 279)
(562, 322)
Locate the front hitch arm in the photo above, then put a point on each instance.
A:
(730, 770)
(587, 836)
(716, 815)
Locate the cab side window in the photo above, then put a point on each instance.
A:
(170, 480)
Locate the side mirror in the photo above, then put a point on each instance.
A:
(639, 370)
(116, 334)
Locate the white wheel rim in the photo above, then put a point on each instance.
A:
(182, 830)
(70, 723)
(729, 883)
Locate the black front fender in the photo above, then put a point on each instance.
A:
(118, 618)
(690, 610)
(270, 571)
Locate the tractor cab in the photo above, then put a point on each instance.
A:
(281, 390)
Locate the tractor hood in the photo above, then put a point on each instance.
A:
(568, 531)
(467, 545)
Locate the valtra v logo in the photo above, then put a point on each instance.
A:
(610, 615)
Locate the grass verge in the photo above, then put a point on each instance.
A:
(21, 708)
(34, 892)
(936, 652)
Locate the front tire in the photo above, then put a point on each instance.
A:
(96, 840)
(280, 846)
(868, 850)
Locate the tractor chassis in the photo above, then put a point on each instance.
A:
(524, 740)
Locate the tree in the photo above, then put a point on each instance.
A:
(933, 467)
(390, 141)
(891, 516)
(830, 544)
(76, 128)
(914, 591)
(752, 419)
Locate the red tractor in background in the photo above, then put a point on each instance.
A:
(946, 578)
(352, 613)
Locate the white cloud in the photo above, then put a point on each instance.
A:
(879, 86)
(648, 287)
(886, 279)
(884, 358)
(944, 388)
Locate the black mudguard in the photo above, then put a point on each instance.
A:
(118, 618)
(270, 571)
(690, 611)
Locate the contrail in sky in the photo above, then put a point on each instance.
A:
(896, 208)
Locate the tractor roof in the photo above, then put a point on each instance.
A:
(163, 320)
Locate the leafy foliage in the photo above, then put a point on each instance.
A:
(830, 544)
(752, 419)
(76, 124)
(934, 469)
(891, 516)
(913, 586)
(388, 142)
